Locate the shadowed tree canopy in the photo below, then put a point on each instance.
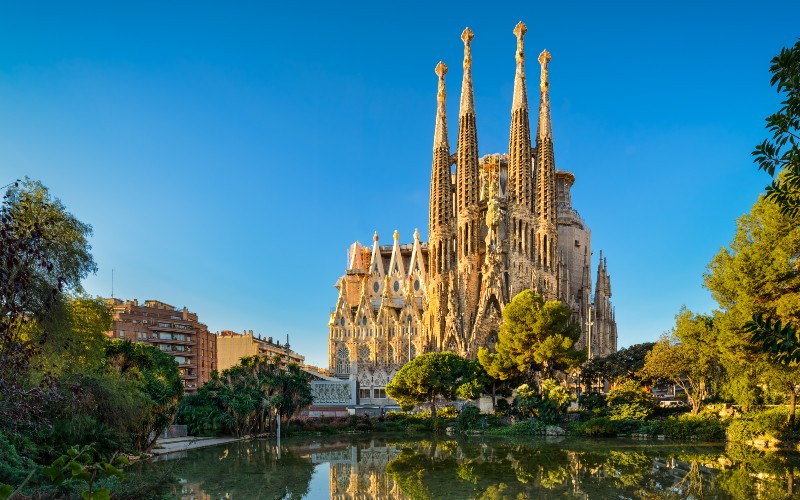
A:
(156, 374)
(433, 374)
(535, 335)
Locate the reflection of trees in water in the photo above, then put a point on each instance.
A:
(538, 469)
(245, 470)
(476, 468)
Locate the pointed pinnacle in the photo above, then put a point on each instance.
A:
(519, 30)
(467, 37)
(544, 57)
(441, 69)
(544, 81)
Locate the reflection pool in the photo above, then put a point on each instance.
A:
(350, 467)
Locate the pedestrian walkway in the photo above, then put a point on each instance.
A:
(175, 445)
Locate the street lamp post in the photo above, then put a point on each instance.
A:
(589, 324)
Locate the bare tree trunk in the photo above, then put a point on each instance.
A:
(792, 403)
(494, 397)
(433, 405)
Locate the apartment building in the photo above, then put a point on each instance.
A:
(175, 331)
(232, 346)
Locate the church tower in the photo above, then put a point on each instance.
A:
(440, 220)
(467, 209)
(546, 243)
(520, 171)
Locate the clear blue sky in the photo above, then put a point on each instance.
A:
(226, 154)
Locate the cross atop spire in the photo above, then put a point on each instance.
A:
(440, 134)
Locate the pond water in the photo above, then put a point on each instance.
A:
(345, 467)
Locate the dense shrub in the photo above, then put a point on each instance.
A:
(502, 408)
(448, 411)
(630, 402)
(530, 427)
(471, 419)
(704, 426)
(12, 466)
(595, 427)
(628, 411)
(592, 400)
(771, 423)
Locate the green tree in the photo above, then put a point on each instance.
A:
(44, 252)
(156, 374)
(780, 154)
(629, 401)
(497, 374)
(618, 367)
(687, 356)
(535, 335)
(245, 399)
(430, 375)
(76, 337)
(758, 276)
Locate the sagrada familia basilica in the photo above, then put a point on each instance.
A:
(498, 225)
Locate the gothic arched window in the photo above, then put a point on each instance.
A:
(363, 355)
(342, 359)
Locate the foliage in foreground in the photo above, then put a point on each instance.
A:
(60, 384)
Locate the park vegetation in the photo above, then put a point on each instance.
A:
(247, 399)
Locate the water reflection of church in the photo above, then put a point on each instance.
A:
(359, 472)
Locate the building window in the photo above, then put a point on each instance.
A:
(379, 393)
(364, 393)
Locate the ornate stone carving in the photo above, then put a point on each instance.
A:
(333, 393)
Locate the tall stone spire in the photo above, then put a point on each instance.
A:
(519, 147)
(441, 227)
(467, 189)
(467, 149)
(439, 220)
(440, 133)
(520, 177)
(545, 159)
(545, 182)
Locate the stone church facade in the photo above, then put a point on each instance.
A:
(498, 225)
